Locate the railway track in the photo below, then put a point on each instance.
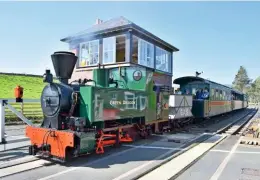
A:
(236, 127)
(30, 163)
(22, 165)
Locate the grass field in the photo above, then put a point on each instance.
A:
(32, 86)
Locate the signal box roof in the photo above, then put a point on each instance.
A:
(113, 25)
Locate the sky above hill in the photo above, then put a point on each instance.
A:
(213, 37)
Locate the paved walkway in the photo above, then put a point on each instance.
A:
(227, 161)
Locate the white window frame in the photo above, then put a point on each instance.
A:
(142, 46)
(164, 58)
(93, 53)
(99, 104)
(110, 50)
(114, 97)
(142, 106)
(133, 98)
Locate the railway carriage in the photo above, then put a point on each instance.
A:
(239, 100)
(220, 99)
(245, 101)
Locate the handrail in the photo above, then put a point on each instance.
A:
(3, 104)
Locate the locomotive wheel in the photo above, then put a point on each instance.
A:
(30, 150)
(69, 156)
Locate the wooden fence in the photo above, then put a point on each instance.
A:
(31, 110)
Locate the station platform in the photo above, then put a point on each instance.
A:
(228, 160)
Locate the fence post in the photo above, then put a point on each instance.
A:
(2, 121)
(21, 107)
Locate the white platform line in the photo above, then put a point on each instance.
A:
(152, 161)
(144, 165)
(177, 164)
(222, 166)
(86, 164)
(5, 157)
(98, 160)
(246, 152)
(218, 150)
(22, 167)
(153, 147)
(236, 152)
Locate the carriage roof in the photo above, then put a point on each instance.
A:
(189, 79)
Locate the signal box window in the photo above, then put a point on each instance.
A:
(109, 53)
(114, 49)
(89, 53)
(120, 48)
(162, 60)
(143, 52)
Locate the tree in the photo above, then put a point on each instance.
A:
(241, 80)
(254, 91)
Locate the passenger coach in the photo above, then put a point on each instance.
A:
(210, 98)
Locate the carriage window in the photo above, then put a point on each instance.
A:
(224, 95)
(217, 95)
(220, 95)
(212, 94)
(193, 91)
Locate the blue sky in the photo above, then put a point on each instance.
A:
(214, 37)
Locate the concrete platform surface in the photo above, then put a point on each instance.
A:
(174, 166)
(228, 160)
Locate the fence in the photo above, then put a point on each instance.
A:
(31, 109)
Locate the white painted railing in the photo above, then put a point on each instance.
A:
(4, 104)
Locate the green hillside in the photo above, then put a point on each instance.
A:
(32, 86)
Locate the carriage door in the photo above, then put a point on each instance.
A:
(206, 107)
(207, 104)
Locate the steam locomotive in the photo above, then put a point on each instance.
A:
(80, 118)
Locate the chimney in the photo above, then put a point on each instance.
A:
(98, 21)
(63, 63)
